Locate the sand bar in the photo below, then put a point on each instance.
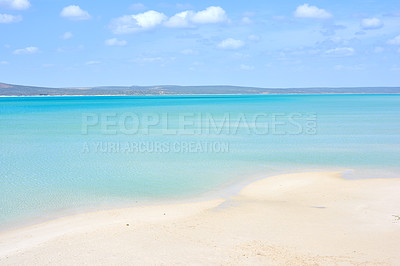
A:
(313, 218)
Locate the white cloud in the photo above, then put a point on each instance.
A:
(231, 44)
(6, 18)
(371, 23)
(15, 4)
(92, 63)
(350, 68)
(151, 59)
(151, 19)
(307, 11)
(181, 20)
(340, 52)
(67, 35)
(212, 14)
(246, 67)
(186, 19)
(189, 52)
(3, 63)
(74, 12)
(137, 23)
(148, 60)
(137, 7)
(247, 20)
(115, 42)
(240, 55)
(395, 40)
(27, 50)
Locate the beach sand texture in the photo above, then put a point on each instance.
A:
(315, 218)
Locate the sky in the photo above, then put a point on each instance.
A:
(59, 43)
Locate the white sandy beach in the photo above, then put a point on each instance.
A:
(294, 219)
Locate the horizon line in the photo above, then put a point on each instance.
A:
(209, 85)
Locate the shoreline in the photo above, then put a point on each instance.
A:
(234, 94)
(280, 211)
(225, 191)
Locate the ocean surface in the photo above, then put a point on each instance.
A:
(69, 154)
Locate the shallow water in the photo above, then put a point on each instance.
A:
(66, 153)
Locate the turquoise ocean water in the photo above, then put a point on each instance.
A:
(76, 153)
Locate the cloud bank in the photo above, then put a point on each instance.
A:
(15, 4)
(152, 19)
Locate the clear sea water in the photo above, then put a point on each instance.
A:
(76, 153)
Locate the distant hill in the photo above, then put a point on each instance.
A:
(20, 90)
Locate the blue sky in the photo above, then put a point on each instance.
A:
(253, 43)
